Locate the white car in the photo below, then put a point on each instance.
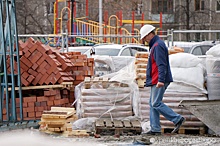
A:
(116, 49)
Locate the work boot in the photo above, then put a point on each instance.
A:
(178, 125)
(151, 133)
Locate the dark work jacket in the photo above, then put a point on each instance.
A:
(158, 67)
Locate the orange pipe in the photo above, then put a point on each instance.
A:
(57, 20)
(133, 13)
(142, 19)
(120, 18)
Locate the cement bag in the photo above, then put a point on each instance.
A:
(184, 60)
(214, 51)
(213, 64)
(193, 76)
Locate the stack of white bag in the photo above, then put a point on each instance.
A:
(213, 72)
(188, 73)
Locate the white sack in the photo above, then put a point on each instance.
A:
(214, 51)
(184, 60)
(192, 76)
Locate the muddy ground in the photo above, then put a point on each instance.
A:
(33, 137)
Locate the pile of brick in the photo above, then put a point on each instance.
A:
(37, 101)
(42, 65)
(141, 59)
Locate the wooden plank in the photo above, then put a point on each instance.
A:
(136, 123)
(54, 112)
(100, 123)
(117, 124)
(127, 124)
(108, 123)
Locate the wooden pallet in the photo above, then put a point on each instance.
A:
(104, 82)
(118, 127)
(185, 130)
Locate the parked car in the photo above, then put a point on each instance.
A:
(200, 49)
(116, 49)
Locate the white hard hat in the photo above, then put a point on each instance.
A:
(146, 29)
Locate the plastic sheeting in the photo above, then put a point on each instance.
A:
(213, 77)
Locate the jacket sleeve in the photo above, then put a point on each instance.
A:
(160, 53)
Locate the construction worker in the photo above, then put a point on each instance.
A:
(158, 78)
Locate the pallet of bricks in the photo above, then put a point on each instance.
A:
(141, 60)
(192, 124)
(48, 77)
(108, 101)
(59, 121)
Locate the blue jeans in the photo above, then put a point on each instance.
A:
(157, 107)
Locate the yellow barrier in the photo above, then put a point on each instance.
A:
(111, 34)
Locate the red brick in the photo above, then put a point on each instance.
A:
(35, 66)
(42, 80)
(51, 69)
(24, 82)
(41, 60)
(39, 109)
(30, 78)
(37, 104)
(76, 82)
(44, 104)
(32, 72)
(31, 114)
(79, 77)
(37, 79)
(28, 109)
(41, 98)
(24, 66)
(50, 103)
(25, 104)
(25, 75)
(51, 98)
(27, 54)
(38, 114)
(47, 66)
(30, 99)
(35, 56)
(41, 47)
(26, 61)
(46, 92)
(58, 96)
(58, 102)
(33, 48)
(31, 104)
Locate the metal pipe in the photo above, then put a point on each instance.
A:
(18, 60)
(13, 110)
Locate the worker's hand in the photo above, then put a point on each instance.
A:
(160, 84)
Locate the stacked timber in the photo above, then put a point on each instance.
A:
(42, 65)
(141, 59)
(175, 50)
(59, 121)
(101, 98)
(172, 99)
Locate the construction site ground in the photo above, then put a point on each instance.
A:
(33, 137)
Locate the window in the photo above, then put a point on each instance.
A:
(218, 5)
(139, 9)
(50, 8)
(164, 6)
(126, 52)
(199, 5)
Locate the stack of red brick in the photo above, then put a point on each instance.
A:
(42, 100)
(43, 65)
